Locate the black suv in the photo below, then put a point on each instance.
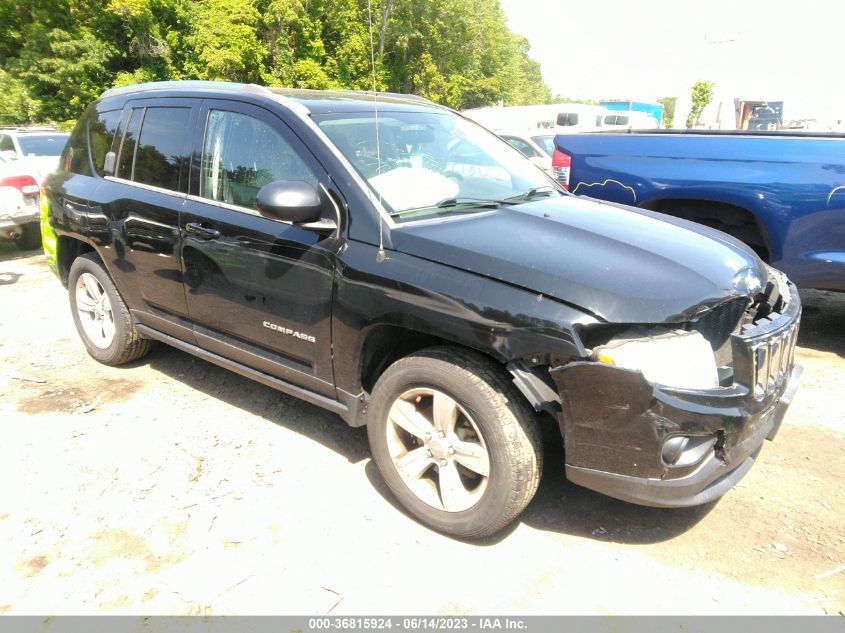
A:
(393, 262)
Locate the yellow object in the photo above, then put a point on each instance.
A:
(49, 239)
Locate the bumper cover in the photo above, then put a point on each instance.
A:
(712, 478)
(615, 424)
(29, 216)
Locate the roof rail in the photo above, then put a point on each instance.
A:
(397, 95)
(188, 83)
(29, 128)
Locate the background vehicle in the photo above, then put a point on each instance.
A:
(629, 121)
(570, 117)
(782, 194)
(35, 149)
(653, 110)
(414, 273)
(538, 148)
(19, 212)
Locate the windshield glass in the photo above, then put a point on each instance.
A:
(546, 142)
(432, 163)
(43, 144)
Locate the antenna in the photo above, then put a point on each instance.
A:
(380, 257)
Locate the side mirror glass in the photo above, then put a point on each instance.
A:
(289, 200)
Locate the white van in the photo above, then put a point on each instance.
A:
(557, 117)
(629, 120)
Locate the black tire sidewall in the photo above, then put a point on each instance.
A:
(493, 502)
(30, 238)
(110, 354)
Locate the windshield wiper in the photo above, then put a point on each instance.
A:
(527, 195)
(446, 203)
(478, 202)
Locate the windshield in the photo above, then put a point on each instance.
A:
(432, 163)
(43, 144)
(546, 143)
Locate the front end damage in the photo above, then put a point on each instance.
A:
(669, 446)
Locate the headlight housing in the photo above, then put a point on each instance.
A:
(672, 358)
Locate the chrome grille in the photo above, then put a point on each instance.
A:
(772, 359)
(764, 350)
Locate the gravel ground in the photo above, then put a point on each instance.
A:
(171, 486)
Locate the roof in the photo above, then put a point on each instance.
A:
(315, 101)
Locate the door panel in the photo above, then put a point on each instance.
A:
(141, 204)
(258, 290)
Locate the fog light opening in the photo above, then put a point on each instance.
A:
(673, 448)
(683, 450)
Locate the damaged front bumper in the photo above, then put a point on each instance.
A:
(666, 447)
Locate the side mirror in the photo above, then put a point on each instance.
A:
(289, 200)
(9, 154)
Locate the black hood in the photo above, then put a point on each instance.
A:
(622, 264)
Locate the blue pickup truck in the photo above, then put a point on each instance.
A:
(782, 194)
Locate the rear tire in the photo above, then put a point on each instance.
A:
(30, 239)
(466, 444)
(100, 314)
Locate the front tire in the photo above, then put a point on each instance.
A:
(100, 314)
(455, 443)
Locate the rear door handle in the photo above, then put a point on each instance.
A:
(205, 232)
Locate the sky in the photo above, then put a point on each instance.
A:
(773, 50)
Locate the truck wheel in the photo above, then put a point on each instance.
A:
(454, 441)
(102, 318)
(30, 239)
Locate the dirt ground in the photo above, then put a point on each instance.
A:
(171, 486)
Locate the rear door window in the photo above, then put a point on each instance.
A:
(162, 147)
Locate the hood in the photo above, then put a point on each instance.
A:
(622, 264)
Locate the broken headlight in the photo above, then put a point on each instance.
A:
(673, 358)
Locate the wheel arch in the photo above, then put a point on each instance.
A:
(386, 343)
(736, 220)
(67, 250)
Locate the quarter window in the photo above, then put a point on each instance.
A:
(241, 154)
(6, 144)
(101, 129)
(127, 147)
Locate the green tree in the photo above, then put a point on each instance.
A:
(222, 42)
(58, 55)
(16, 106)
(668, 104)
(701, 96)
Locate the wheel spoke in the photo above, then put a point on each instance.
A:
(405, 415)
(92, 287)
(108, 330)
(84, 303)
(472, 456)
(445, 413)
(453, 495)
(413, 464)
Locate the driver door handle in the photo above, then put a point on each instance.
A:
(203, 231)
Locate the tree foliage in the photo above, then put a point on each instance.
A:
(668, 104)
(58, 55)
(701, 96)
